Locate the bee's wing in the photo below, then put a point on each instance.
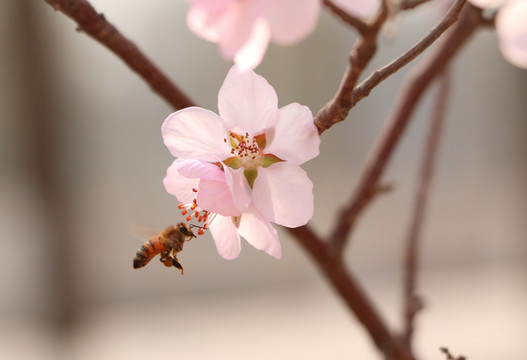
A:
(144, 233)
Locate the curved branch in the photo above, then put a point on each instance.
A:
(96, 26)
(417, 83)
(352, 293)
(364, 49)
(366, 86)
(337, 109)
(360, 25)
(412, 302)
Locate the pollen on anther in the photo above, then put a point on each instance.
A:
(205, 226)
(200, 218)
(195, 190)
(189, 217)
(201, 232)
(196, 214)
(184, 212)
(181, 206)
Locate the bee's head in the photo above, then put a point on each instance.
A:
(185, 230)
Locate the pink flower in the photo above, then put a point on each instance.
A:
(239, 171)
(360, 8)
(243, 28)
(511, 26)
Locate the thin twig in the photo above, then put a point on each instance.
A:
(412, 302)
(337, 109)
(360, 25)
(352, 293)
(449, 355)
(96, 26)
(418, 81)
(366, 86)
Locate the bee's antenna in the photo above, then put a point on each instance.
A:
(201, 228)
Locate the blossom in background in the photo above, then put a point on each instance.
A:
(511, 26)
(243, 28)
(239, 171)
(359, 8)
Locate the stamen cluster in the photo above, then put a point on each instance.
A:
(243, 145)
(201, 215)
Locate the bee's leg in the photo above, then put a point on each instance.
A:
(177, 264)
(166, 259)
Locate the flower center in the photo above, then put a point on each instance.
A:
(248, 153)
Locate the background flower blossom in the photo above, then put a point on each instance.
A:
(242, 168)
(243, 28)
(511, 26)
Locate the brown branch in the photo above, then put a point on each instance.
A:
(366, 86)
(419, 80)
(412, 302)
(449, 355)
(96, 26)
(352, 293)
(348, 95)
(360, 25)
(337, 109)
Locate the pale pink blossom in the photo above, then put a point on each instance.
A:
(511, 26)
(239, 171)
(359, 8)
(243, 28)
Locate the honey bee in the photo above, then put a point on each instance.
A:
(168, 244)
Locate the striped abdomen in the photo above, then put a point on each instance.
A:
(148, 250)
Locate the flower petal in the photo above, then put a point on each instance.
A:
(179, 185)
(260, 233)
(284, 194)
(216, 197)
(511, 25)
(225, 237)
(294, 137)
(200, 169)
(360, 8)
(245, 101)
(195, 133)
(251, 53)
(292, 20)
(236, 26)
(241, 192)
(204, 18)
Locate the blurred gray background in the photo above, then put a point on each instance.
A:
(81, 165)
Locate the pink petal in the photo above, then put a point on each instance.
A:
(360, 8)
(245, 101)
(511, 25)
(294, 137)
(225, 236)
(196, 133)
(179, 185)
(240, 190)
(291, 20)
(204, 17)
(236, 26)
(200, 169)
(259, 233)
(251, 53)
(216, 197)
(284, 194)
